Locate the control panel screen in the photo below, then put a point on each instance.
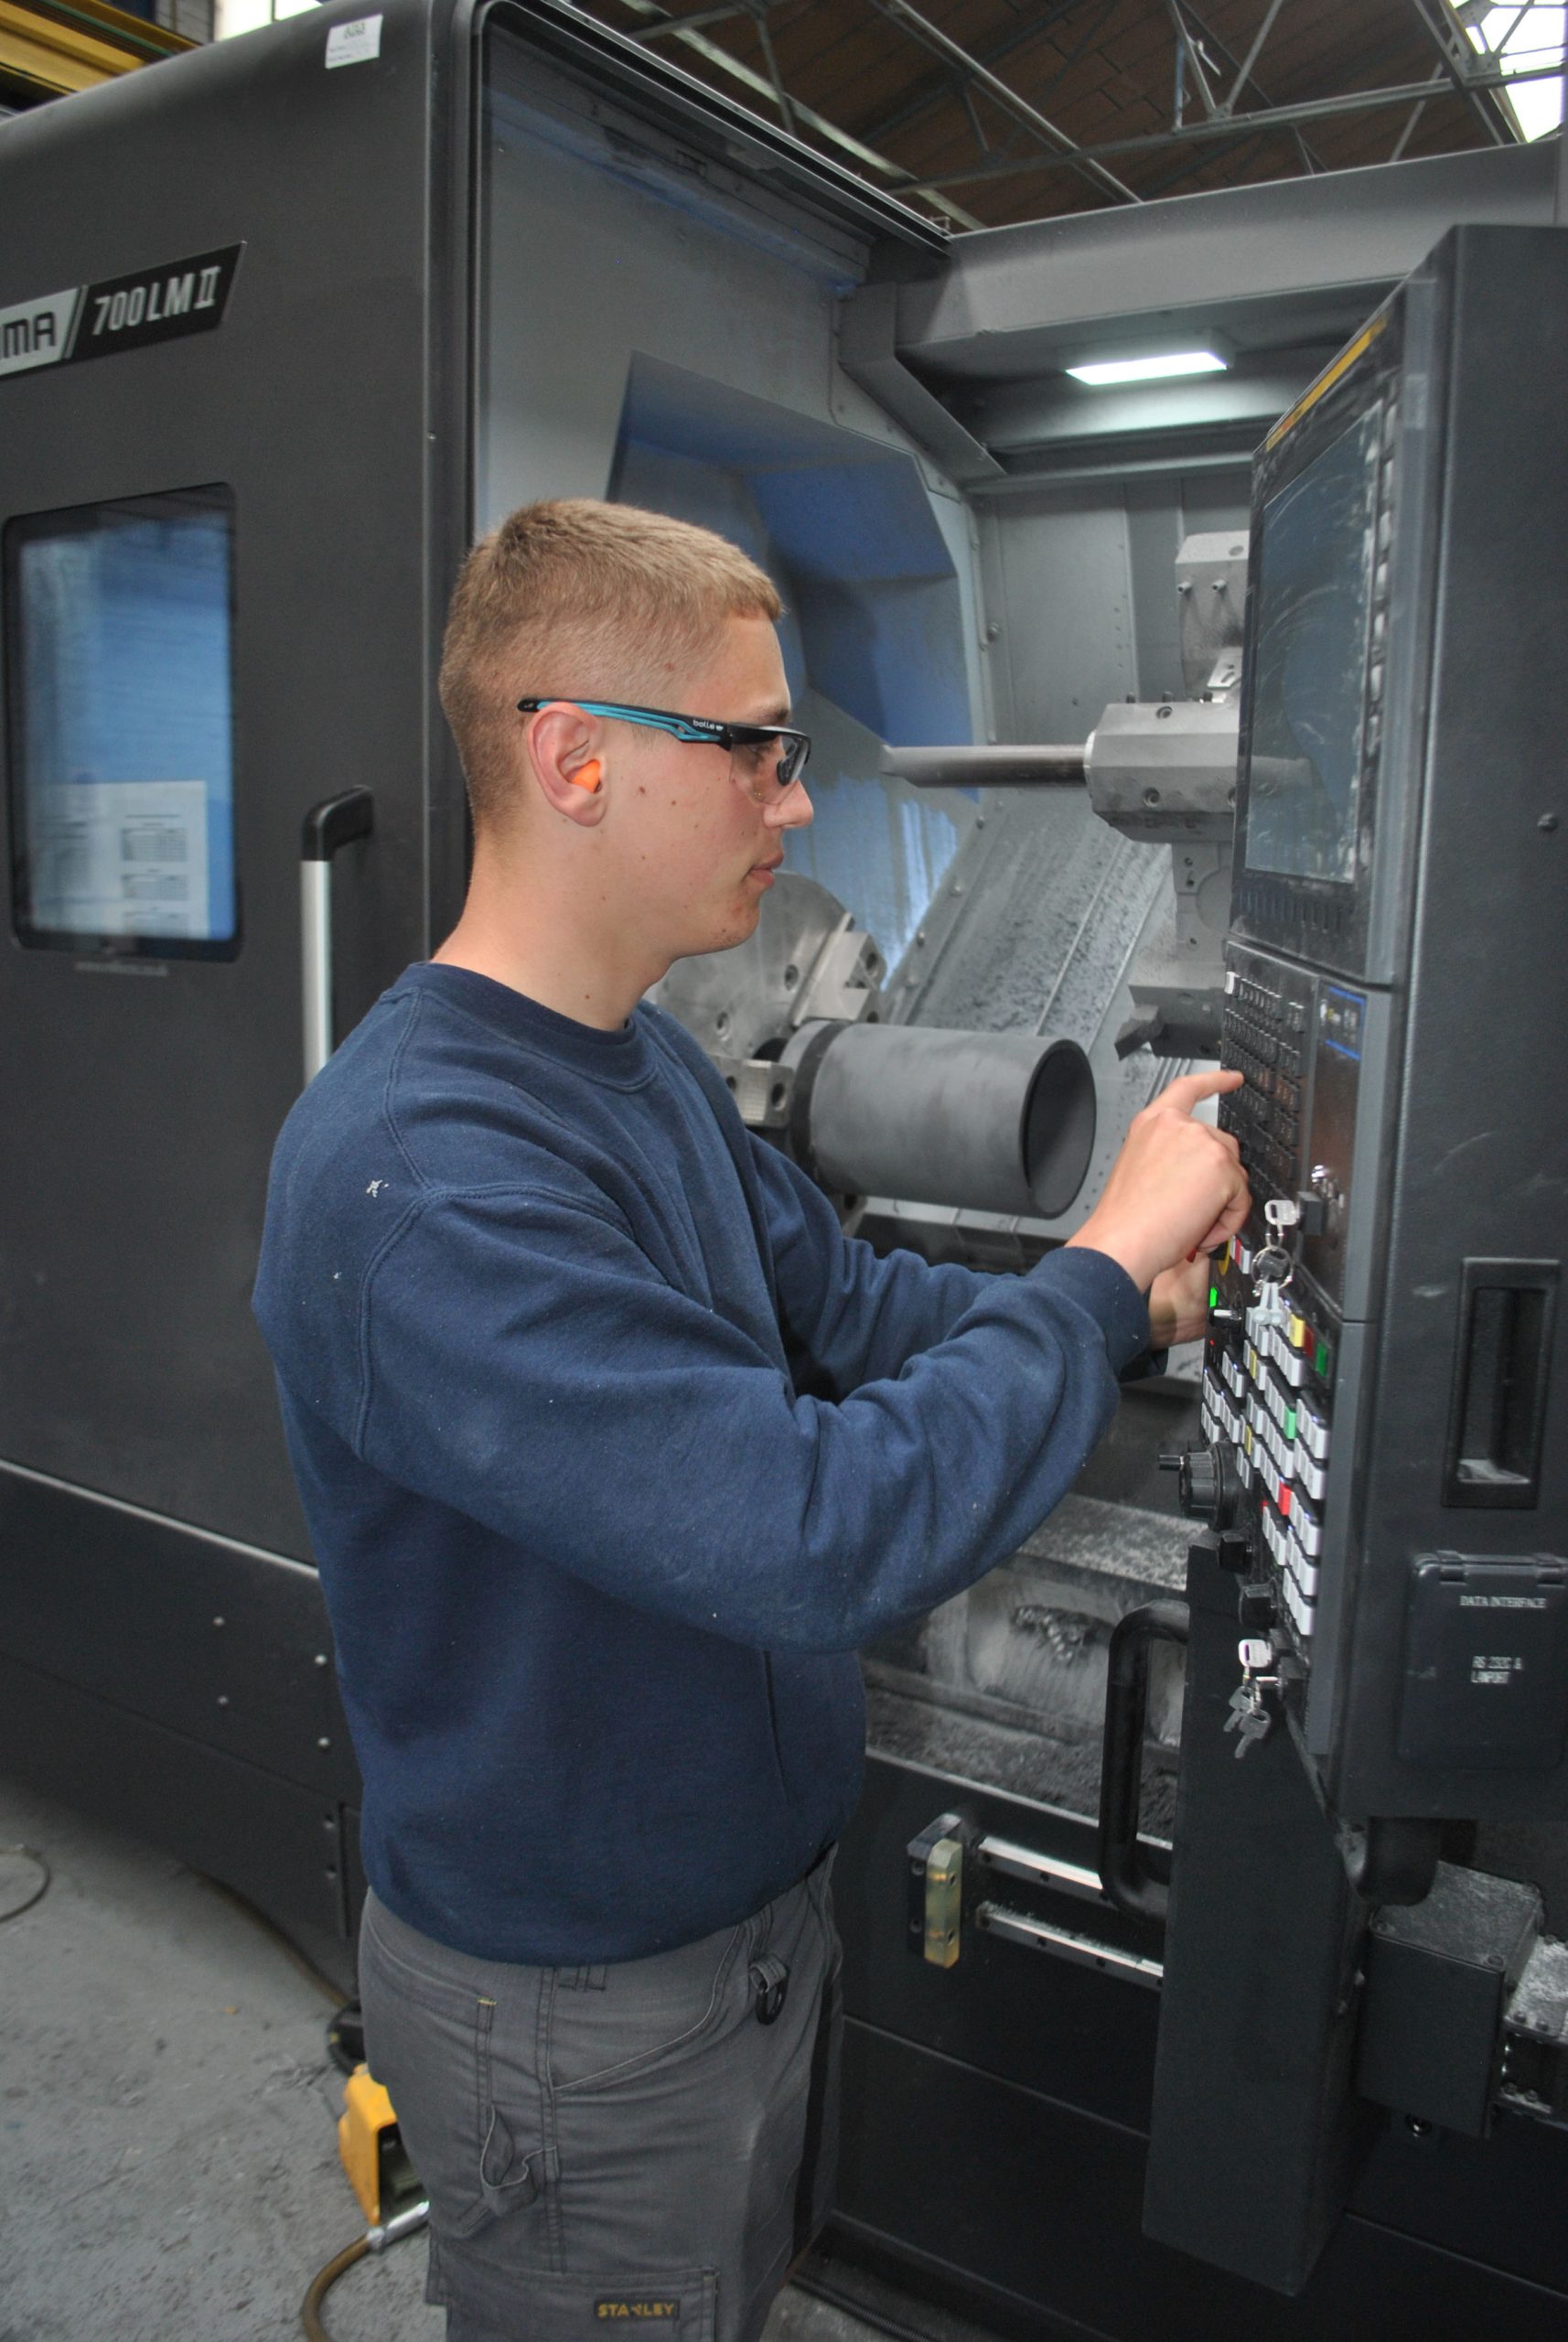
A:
(118, 622)
(1315, 569)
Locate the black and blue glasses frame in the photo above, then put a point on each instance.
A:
(701, 731)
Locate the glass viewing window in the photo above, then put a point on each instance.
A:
(118, 638)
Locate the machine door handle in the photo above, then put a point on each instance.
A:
(1067, 1943)
(1135, 1875)
(336, 822)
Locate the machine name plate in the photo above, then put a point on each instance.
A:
(156, 304)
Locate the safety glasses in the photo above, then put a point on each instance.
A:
(749, 745)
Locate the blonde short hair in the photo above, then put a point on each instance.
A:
(578, 596)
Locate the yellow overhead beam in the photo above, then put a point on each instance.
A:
(63, 45)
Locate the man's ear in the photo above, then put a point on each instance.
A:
(566, 762)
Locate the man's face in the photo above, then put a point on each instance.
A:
(692, 851)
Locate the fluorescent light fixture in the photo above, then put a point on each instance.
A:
(1150, 370)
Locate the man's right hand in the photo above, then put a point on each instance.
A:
(1177, 1185)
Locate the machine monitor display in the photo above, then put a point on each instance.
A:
(117, 637)
(1309, 663)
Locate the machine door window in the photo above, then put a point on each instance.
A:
(118, 643)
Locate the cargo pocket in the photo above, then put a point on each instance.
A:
(509, 2175)
(429, 2042)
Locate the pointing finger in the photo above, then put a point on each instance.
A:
(1189, 1089)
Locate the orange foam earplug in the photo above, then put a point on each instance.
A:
(590, 776)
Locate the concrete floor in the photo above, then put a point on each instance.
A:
(169, 2161)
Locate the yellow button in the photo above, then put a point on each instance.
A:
(1298, 1334)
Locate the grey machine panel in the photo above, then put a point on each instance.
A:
(1398, 1003)
(135, 1180)
(336, 414)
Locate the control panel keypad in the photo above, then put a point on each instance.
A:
(1269, 1377)
(1268, 1391)
(1265, 1036)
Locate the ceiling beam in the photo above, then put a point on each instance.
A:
(896, 177)
(1491, 118)
(928, 94)
(1063, 148)
(1244, 71)
(690, 24)
(784, 102)
(1408, 132)
(1187, 48)
(1196, 162)
(1273, 117)
(1311, 160)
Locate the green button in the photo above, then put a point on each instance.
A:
(1214, 1296)
(1323, 1360)
(1290, 1423)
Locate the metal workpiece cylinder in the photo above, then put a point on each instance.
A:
(1007, 767)
(989, 1122)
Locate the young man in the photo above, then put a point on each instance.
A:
(614, 1451)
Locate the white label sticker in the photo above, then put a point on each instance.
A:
(36, 333)
(354, 43)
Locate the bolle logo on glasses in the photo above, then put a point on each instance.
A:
(159, 304)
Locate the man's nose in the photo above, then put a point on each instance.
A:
(793, 810)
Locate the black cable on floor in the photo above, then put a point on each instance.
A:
(30, 1854)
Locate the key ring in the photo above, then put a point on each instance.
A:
(1273, 1266)
(1280, 1214)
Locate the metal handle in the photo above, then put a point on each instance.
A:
(1065, 1943)
(1040, 1870)
(1135, 1875)
(336, 822)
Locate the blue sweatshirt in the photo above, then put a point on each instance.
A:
(613, 1451)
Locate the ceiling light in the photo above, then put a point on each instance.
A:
(1150, 370)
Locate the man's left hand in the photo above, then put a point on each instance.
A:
(1178, 1303)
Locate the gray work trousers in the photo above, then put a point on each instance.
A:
(642, 2142)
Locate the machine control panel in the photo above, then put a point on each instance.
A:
(1267, 1034)
(1268, 1390)
(1269, 1371)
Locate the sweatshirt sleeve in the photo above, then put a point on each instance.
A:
(522, 1361)
(858, 1317)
